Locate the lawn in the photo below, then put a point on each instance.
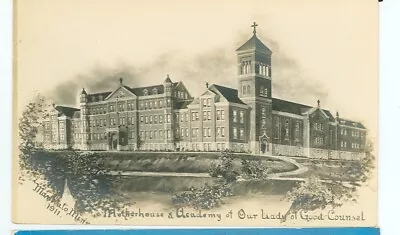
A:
(181, 162)
(329, 170)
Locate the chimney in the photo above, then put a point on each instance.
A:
(206, 84)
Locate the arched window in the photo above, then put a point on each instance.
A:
(244, 91)
(287, 130)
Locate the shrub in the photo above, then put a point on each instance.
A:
(205, 197)
(255, 169)
(224, 168)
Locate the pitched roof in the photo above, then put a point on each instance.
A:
(351, 123)
(67, 111)
(96, 96)
(231, 95)
(139, 91)
(295, 108)
(254, 43)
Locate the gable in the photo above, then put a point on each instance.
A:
(318, 114)
(121, 92)
(181, 87)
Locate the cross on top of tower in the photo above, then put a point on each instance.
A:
(254, 25)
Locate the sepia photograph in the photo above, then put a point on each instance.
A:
(196, 113)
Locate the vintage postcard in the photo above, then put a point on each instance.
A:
(200, 113)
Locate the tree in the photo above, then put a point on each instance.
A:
(90, 184)
(317, 194)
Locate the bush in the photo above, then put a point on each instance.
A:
(255, 169)
(224, 168)
(205, 197)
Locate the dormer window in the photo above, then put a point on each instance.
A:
(145, 92)
(100, 98)
(93, 99)
(155, 91)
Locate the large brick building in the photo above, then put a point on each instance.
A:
(167, 117)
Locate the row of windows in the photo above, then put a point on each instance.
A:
(181, 95)
(235, 133)
(263, 91)
(343, 131)
(297, 133)
(318, 126)
(235, 116)
(154, 104)
(343, 144)
(112, 122)
(206, 102)
(319, 140)
(154, 119)
(156, 134)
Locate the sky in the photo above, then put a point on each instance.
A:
(326, 50)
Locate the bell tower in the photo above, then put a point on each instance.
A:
(254, 78)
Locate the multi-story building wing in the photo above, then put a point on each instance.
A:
(167, 117)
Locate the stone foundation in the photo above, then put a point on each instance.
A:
(287, 150)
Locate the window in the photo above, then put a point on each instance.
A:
(146, 119)
(241, 117)
(241, 134)
(262, 91)
(182, 132)
(234, 116)
(244, 90)
(235, 133)
(209, 132)
(218, 131)
(168, 134)
(160, 133)
(151, 119)
(151, 104)
(141, 119)
(222, 131)
(155, 119)
(145, 92)
(204, 115)
(319, 140)
(186, 117)
(160, 103)
(160, 120)
(155, 91)
(146, 105)
(168, 118)
(187, 132)
(112, 108)
(287, 130)
(208, 102)
(297, 131)
(318, 126)
(205, 132)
